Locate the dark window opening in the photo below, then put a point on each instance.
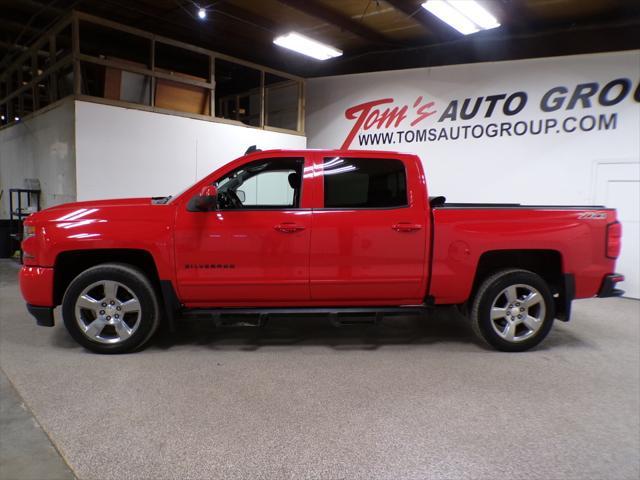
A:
(281, 102)
(180, 61)
(238, 92)
(110, 44)
(364, 183)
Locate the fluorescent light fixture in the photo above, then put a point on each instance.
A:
(476, 13)
(202, 14)
(307, 46)
(466, 16)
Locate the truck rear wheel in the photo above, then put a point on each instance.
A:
(513, 310)
(111, 308)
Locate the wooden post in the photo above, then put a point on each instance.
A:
(212, 80)
(75, 42)
(53, 79)
(262, 100)
(301, 105)
(35, 89)
(152, 100)
(20, 111)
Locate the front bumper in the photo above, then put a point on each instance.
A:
(43, 315)
(36, 285)
(607, 289)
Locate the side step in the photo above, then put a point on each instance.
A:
(338, 316)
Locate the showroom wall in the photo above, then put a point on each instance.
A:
(125, 152)
(502, 132)
(41, 147)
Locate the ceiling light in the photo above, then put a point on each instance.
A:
(307, 46)
(466, 16)
(202, 14)
(476, 13)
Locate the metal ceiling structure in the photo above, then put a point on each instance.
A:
(374, 34)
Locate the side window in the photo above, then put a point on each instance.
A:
(364, 183)
(268, 184)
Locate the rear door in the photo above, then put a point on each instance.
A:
(369, 238)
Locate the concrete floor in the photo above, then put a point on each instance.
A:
(411, 399)
(25, 450)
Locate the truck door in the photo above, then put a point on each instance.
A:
(254, 249)
(370, 234)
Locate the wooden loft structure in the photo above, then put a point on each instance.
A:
(102, 61)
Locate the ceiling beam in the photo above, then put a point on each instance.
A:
(12, 47)
(335, 18)
(436, 28)
(14, 25)
(221, 33)
(582, 39)
(514, 16)
(219, 8)
(245, 16)
(40, 7)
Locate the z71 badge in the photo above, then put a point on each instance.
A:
(592, 216)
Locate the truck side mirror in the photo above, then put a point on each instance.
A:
(206, 200)
(241, 195)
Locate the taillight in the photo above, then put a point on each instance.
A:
(614, 239)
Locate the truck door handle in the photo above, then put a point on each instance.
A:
(288, 227)
(406, 227)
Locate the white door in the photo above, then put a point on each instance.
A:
(617, 185)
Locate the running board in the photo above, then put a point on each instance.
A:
(338, 316)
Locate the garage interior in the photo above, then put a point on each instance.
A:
(119, 99)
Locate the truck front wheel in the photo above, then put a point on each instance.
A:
(111, 308)
(513, 310)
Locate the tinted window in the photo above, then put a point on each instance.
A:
(268, 183)
(364, 183)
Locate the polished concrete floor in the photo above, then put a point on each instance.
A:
(25, 450)
(411, 399)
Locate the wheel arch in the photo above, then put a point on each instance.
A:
(547, 263)
(70, 264)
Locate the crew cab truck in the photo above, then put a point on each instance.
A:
(313, 231)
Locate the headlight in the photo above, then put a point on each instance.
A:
(28, 232)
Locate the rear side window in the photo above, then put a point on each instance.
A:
(364, 183)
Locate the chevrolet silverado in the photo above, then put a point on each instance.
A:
(335, 232)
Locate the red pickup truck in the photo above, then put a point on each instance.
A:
(335, 232)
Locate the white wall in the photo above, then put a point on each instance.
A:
(126, 153)
(40, 147)
(555, 168)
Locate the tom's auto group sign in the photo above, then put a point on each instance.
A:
(385, 121)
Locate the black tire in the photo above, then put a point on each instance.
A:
(135, 282)
(490, 295)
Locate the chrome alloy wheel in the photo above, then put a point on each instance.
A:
(518, 312)
(108, 312)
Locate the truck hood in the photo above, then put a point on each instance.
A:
(130, 223)
(97, 210)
